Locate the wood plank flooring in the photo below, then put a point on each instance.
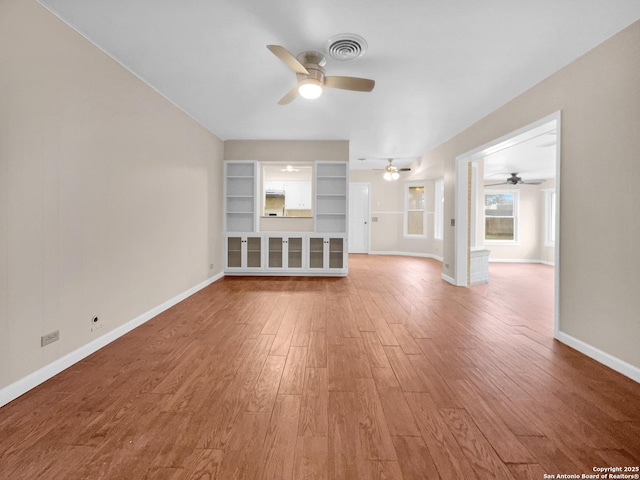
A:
(390, 373)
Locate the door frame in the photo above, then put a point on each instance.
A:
(368, 245)
(461, 232)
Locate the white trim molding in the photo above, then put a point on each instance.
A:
(598, 355)
(22, 386)
(450, 280)
(519, 260)
(408, 254)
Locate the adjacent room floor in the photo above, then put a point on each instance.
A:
(388, 373)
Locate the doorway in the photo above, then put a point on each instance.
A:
(359, 217)
(463, 225)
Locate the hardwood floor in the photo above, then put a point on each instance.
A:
(390, 373)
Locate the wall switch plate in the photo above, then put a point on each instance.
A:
(49, 338)
(453, 222)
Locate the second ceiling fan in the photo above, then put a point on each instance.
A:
(309, 70)
(514, 179)
(391, 172)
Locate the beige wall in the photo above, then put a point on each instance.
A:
(110, 197)
(598, 95)
(290, 151)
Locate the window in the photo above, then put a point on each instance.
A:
(438, 220)
(549, 218)
(415, 213)
(501, 216)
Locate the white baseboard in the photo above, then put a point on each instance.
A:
(407, 254)
(518, 260)
(610, 361)
(449, 279)
(19, 387)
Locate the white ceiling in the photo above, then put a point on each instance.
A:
(439, 66)
(532, 155)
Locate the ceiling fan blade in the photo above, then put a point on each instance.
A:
(405, 169)
(350, 83)
(495, 184)
(533, 182)
(289, 97)
(288, 59)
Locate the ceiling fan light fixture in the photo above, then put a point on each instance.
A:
(310, 88)
(391, 176)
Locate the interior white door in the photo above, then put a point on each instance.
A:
(359, 217)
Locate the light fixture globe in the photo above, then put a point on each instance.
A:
(310, 88)
(391, 172)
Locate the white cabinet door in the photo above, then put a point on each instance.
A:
(297, 195)
(285, 253)
(327, 254)
(274, 185)
(244, 253)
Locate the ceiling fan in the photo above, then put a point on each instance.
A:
(309, 70)
(514, 179)
(391, 172)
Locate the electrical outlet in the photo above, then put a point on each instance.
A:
(96, 323)
(49, 338)
(211, 266)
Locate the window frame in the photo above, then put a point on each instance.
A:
(407, 187)
(516, 215)
(438, 216)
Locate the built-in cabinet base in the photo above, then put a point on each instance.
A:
(286, 254)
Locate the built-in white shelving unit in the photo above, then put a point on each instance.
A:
(322, 252)
(240, 196)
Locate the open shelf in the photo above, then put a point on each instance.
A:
(331, 197)
(240, 196)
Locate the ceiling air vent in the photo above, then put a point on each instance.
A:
(346, 46)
